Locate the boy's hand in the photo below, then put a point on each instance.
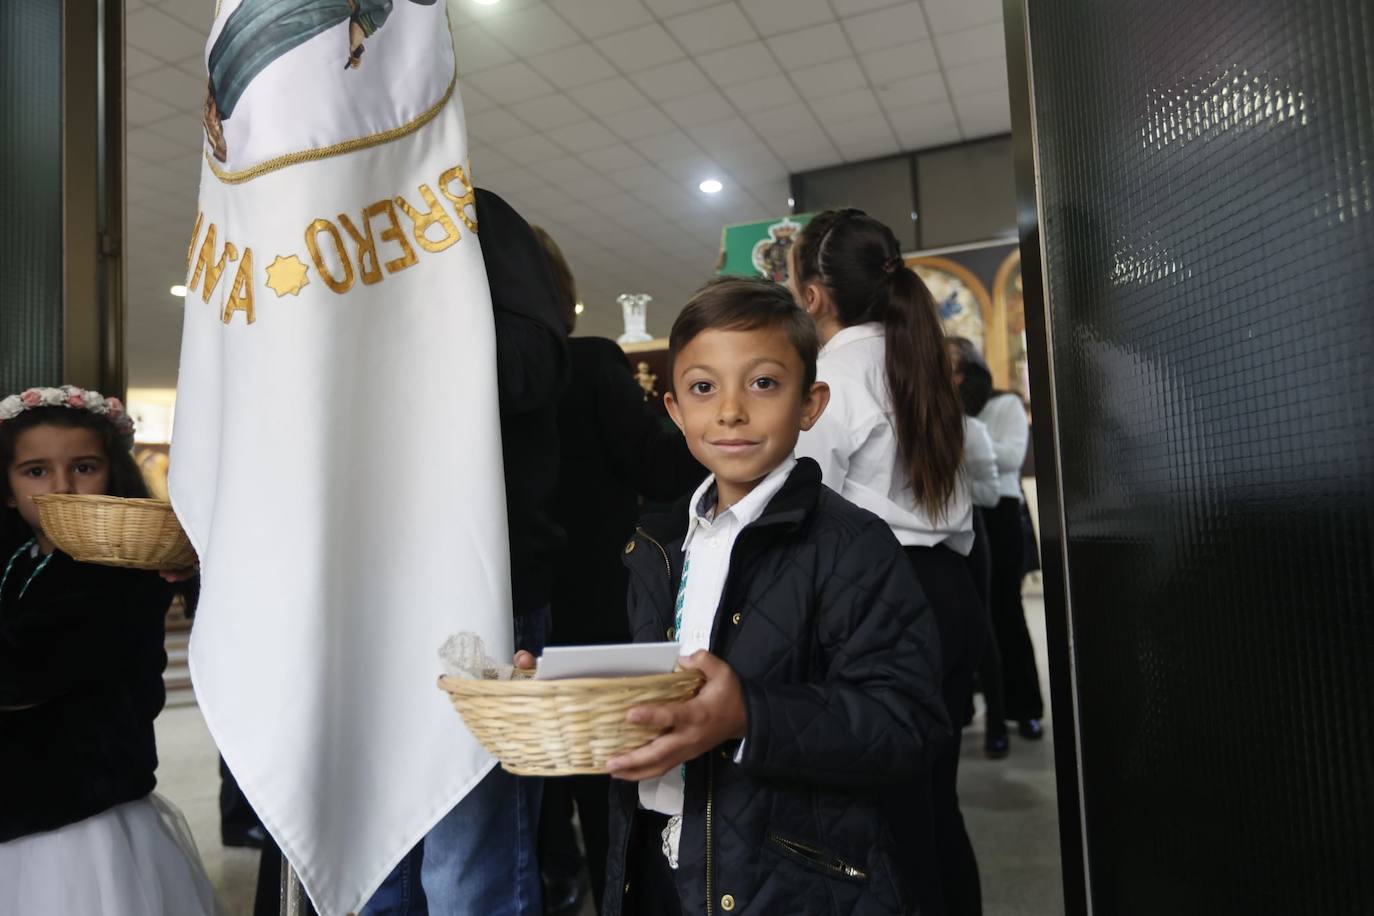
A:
(179, 575)
(714, 715)
(524, 659)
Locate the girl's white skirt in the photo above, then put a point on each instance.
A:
(135, 858)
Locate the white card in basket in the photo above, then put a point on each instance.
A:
(625, 660)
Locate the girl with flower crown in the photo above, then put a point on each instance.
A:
(81, 660)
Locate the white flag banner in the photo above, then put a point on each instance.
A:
(336, 458)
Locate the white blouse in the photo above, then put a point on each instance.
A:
(855, 443)
(980, 463)
(1005, 418)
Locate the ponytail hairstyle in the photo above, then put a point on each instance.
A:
(858, 261)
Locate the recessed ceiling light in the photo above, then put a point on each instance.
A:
(710, 186)
(791, 201)
(178, 290)
(486, 2)
(579, 308)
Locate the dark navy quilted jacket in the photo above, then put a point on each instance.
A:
(823, 621)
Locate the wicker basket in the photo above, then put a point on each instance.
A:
(137, 533)
(565, 727)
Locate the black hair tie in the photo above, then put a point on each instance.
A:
(893, 264)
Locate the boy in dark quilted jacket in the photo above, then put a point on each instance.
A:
(778, 788)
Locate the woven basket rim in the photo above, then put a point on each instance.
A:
(100, 498)
(533, 687)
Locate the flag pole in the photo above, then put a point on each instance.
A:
(293, 902)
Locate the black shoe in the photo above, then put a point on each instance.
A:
(996, 746)
(562, 897)
(252, 838)
(1030, 729)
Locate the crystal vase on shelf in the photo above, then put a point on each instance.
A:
(635, 308)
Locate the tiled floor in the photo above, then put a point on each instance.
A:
(1009, 806)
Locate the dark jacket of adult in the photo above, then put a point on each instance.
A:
(81, 660)
(613, 449)
(532, 369)
(822, 620)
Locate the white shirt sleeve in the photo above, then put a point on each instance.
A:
(980, 463)
(1010, 433)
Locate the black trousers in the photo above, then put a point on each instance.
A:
(559, 857)
(1020, 676)
(652, 883)
(990, 665)
(953, 595)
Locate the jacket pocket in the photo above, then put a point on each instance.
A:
(817, 859)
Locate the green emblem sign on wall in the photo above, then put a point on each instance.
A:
(760, 249)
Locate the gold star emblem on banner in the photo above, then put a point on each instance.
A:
(287, 275)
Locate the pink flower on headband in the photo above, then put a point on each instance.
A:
(71, 397)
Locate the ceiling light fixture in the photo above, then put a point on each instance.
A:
(579, 309)
(486, 2)
(178, 290)
(710, 186)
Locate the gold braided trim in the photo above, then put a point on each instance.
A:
(338, 149)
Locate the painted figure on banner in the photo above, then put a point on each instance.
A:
(257, 40)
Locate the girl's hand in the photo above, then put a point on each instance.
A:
(524, 659)
(715, 715)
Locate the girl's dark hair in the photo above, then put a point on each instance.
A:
(976, 389)
(562, 276)
(859, 262)
(125, 478)
(743, 304)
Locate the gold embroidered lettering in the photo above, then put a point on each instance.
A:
(462, 201)
(195, 234)
(392, 233)
(368, 267)
(241, 294)
(337, 284)
(211, 268)
(435, 216)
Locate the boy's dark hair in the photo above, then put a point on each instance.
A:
(125, 478)
(744, 304)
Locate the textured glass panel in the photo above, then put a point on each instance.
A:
(1208, 223)
(30, 194)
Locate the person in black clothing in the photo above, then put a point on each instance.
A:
(532, 369)
(81, 661)
(772, 790)
(612, 449)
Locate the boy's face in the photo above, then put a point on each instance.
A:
(55, 459)
(740, 399)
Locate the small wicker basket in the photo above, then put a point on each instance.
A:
(110, 531)
(564, 727)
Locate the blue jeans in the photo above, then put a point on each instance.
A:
(480, 859)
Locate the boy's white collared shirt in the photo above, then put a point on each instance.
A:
(709, 543)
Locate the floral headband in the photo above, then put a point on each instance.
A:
(72, 397)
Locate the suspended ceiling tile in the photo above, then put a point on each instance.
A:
(762, 95)
(641, 48)
(595, 18)
(672, 81)
(816, 45)
(772, 17)
(827, 80)
(573, 66)
(885, 28)
(720, 26)
(741, 64)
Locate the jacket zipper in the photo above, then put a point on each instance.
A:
(819, 857)
(710, 791)
(710, 761)
(661, 549)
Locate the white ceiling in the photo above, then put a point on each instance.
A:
(599, 118)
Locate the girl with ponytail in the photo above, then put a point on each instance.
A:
(892, 441)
